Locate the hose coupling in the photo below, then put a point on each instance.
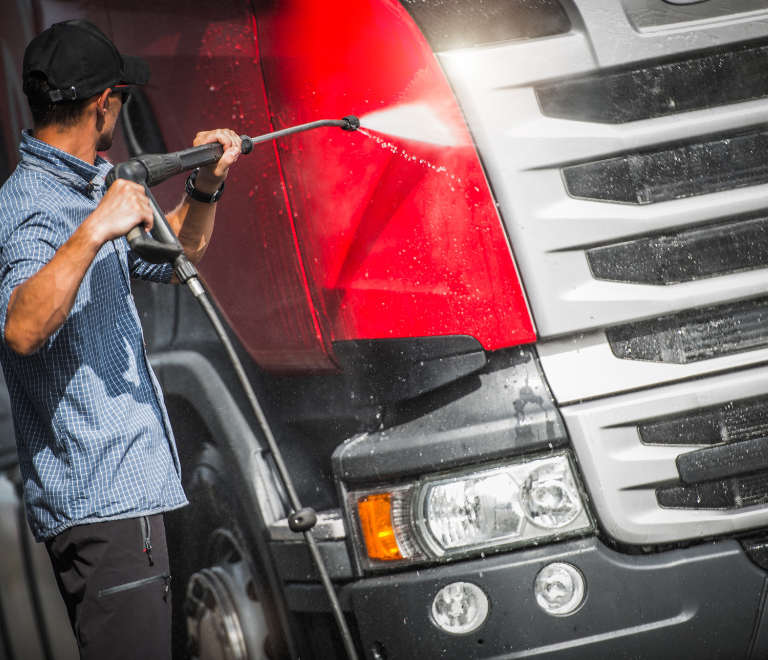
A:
(353, 123)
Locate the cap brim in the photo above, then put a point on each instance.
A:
(136, 70)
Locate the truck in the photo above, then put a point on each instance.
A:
(511, 336)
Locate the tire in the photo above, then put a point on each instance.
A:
(221, 605)
(225, 618)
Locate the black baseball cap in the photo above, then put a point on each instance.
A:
(78, 60)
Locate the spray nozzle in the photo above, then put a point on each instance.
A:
(352, 123)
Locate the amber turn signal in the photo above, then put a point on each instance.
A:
(375, 513)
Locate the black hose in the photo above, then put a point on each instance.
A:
(285, 477)
(153, 169)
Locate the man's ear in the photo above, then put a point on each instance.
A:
(102, 102)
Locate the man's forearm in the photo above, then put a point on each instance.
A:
(193, 223)
(39, 306)
(192, 220)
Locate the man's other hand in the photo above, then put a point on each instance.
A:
(125, 206)
(211, 177)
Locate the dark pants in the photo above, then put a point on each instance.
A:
(116, 592)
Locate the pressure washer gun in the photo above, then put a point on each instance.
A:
(162, 245)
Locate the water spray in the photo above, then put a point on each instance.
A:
(163, 247)
(419, 122)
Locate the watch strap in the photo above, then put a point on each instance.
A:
(195, 194)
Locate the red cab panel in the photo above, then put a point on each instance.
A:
(399, 233)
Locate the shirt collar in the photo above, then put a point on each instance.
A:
(58, 162)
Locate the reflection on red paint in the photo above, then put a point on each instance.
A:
(400, 237)
(206, 74)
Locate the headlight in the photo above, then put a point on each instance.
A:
(468, 512)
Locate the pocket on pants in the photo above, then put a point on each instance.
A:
(121, 608)
(163, 577)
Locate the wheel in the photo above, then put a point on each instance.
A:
(222, 601)
(225, 620)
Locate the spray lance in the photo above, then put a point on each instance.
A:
(163, 247)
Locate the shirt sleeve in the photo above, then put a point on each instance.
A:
(29, 247)
(142, 270)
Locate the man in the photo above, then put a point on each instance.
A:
(96, 450)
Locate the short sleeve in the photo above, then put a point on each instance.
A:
(28, 248)
(142, 270)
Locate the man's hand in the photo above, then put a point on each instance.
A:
(192, 220)
(211, 177)
(125, 206)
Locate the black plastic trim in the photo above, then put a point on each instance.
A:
(660, 89)
(452, 24)
(737, 421)
(726, 494)
(724, 461)
(699, 602)
(756, 548)
(685, 256)
(505, 410)
(699, 168)
(387, 370)
(294, 564)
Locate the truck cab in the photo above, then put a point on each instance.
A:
(510, 335)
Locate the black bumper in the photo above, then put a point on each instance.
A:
(701, 602)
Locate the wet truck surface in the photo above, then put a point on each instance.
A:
(511, 335)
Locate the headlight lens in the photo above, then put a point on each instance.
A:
(549, 496)
(472, 511)
(504, 505)
(467, 512)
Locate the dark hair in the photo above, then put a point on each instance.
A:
(48, 113)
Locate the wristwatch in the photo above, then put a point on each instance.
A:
(195, 194)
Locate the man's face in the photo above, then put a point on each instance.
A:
(104, 141)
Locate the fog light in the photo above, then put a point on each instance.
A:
(460, 608)
(559, 589)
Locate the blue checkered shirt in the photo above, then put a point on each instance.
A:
(91, 427)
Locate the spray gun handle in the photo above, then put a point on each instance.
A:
(163, 246)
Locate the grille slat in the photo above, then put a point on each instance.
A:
(694, 336)
(734, 422)
(731, 474)
(735, 161)
(662, 89)
(735, 493)
(684, 256)
(723, 461)
(451, 24)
